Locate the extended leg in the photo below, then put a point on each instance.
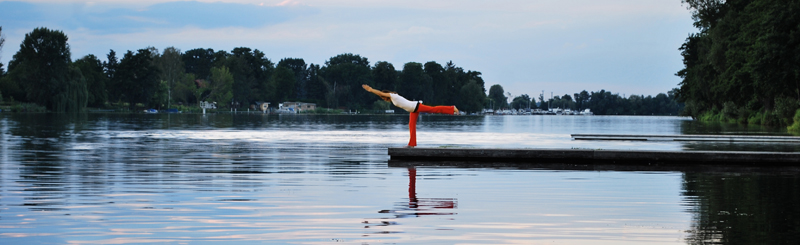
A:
(442, 109)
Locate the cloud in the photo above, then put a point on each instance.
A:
(286, 3)
(101, 19)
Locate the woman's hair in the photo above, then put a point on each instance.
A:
(387, 98)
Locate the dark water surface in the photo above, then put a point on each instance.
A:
(251, 178)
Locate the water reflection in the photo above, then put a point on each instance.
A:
(416, 207)
(728, 204)
(247, 178)
(413, 207)
(696, 127)
(743, 207)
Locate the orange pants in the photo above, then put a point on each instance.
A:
(412, 118)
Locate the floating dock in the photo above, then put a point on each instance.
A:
(690, 137)
(585, 156)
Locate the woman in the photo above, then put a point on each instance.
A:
(414, 107)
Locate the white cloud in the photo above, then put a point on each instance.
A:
(287, 3)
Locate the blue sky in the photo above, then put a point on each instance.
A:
(563, 47)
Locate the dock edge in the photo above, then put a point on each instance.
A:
(591, 156)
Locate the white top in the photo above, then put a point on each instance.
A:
(403, 103)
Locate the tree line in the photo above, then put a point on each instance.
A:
(600, 102)
(744, 63)
(42, 72)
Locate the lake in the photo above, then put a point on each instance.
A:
(325, 179)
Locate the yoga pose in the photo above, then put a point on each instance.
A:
(414, 107)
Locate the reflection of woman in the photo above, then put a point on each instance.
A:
(414, 107)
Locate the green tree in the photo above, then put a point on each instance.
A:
(344, 75)
(300, 71)
(317, 88)
(76, 96)
(472, 97)
(172, 69)
(281, 85)
(385, 76)
(381, 105)
(2, 41)
(543, 103)
(522, 102)
(566, 102)
(455, 79)
(160, 97)
(92, 69)
(8, 85)
(220, 89)
(415, 84)
(743, 60)
(497, 97)
(251, 71)
(199, 62)
(440, 87)
(11, 89)
(114, 91)
(198, 88)
(42, 68)
(582, 100)
(185, 89)
(137, 77)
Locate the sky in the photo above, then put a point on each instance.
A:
(527, 46)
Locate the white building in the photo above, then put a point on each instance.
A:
(299, 106)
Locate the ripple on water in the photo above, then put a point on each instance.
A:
(114, 179)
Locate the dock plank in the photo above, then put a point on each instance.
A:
(590, 156)
(689, 137)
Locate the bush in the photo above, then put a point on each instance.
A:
(691, 109)
(319, 110)
(795, 127)
(770, 119)
(189, 109)
(28, 107)
(708, 116)
(729, 111)
(785, 108)
(381, 105)
(755, 118)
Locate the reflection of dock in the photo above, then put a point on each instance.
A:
(690, 137)
(585, 156)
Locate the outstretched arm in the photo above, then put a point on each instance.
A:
(374, 91)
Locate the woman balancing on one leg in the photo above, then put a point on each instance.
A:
(414, 107)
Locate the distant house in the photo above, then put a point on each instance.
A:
(299, 106)
(208, 105)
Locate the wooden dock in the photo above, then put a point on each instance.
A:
(690, 137)
(586, 156)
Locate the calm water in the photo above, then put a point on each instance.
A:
(245, 179)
